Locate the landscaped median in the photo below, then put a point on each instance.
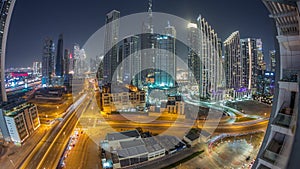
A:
(184, 160)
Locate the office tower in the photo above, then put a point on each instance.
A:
(165, 59)
(66, 62)
(250, 67)
(6, 9)
(280, 148)
(48, 62)
(110, 45)
(37, 68)
(233, 61)
(130, 61)
(59, 64)
(272, 54)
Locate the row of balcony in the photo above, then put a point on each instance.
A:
(272, 153)
(284, 127)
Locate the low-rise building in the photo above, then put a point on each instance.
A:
(18, 121)
(122, 99)
(51, 93)
(175, 105)
(127, 148)
(155, 150)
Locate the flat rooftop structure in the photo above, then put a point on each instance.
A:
(132, 151)
(123, 135)
(193, 135)
(132, 143)
(14, 108)
(12, 103)
(121, 88)
(168, 142)
(152, 145)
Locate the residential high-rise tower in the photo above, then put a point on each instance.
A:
(6, 9)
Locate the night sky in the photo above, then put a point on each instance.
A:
(34, 20)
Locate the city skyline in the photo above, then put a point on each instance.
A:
(76, 29)
(181, 84)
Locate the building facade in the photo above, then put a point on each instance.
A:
(37, 68)
(79, 61)
(204, 60)
(6, 9)
(48, 62)
(124, 99)
(165, 58)
(18, 121)
(272, 55)
(244, 63)
(249, 62)
(66, 62)
(233, 61)
(280, 148)
(129, 54)
(194, 53)
(59, 64)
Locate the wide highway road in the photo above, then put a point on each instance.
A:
(54, 136)
(51, 158)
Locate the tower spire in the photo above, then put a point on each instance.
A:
(150, 16)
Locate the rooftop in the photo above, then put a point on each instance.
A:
(168, 142)
(122, 135)
(131, 143)
(152, 145)
(193, 134)
(132, 151)
(14, 108)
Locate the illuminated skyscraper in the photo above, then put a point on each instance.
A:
(66, 62)
(233, 61)
(130, 61)
(194, 60)
(148, 45)
(6, 9)
(260, 57)
(272, 54)
(59, 64)
(250, 67)
(79, 61)
(165, 59)
(37, 68)
(210, 61)
(204, 60)
(48, 62)
(110, 45)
